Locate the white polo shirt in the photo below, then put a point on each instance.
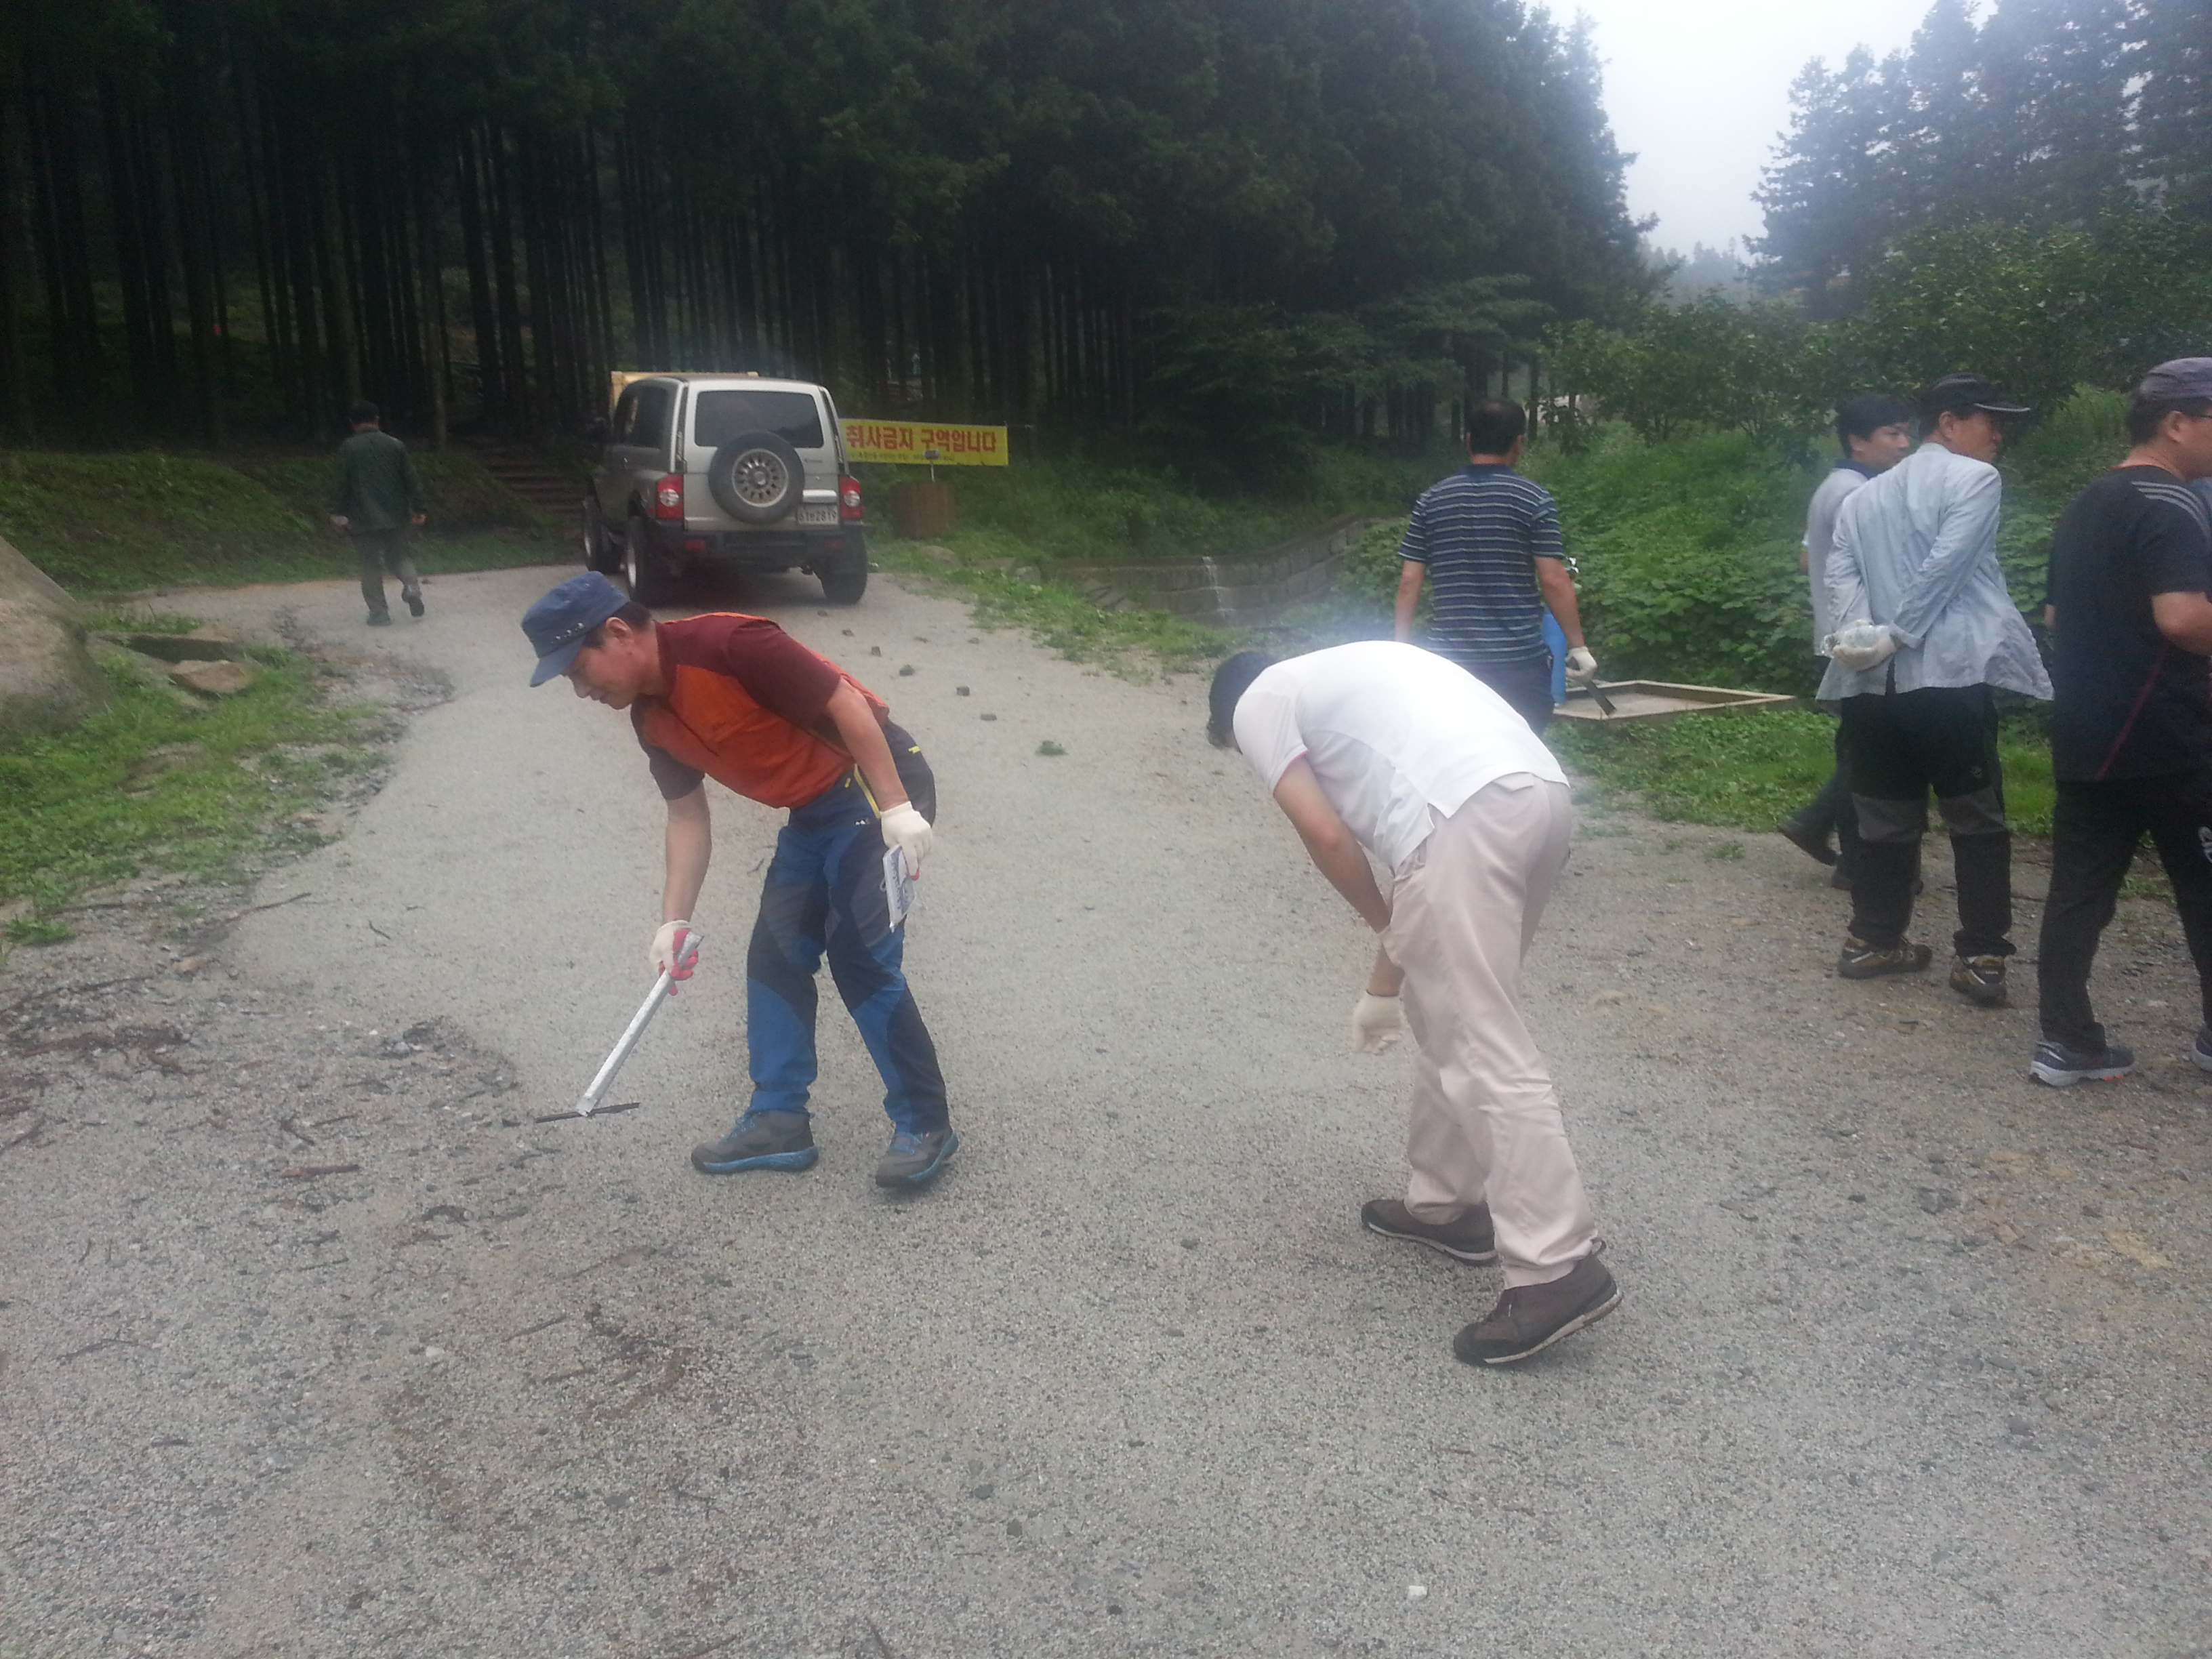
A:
(1390, 730)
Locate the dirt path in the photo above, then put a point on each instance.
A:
(316, 1343)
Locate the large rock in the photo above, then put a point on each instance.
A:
(48, 679)
(216, 680)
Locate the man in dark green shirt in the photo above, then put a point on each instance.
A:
(376, 494)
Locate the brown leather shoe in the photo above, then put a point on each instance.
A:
(1531, 1317)
(1467, 1239)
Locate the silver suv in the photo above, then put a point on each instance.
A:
(728, 470)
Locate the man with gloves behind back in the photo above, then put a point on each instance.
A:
(1925, 631)
(736, 699)
(1384, 748)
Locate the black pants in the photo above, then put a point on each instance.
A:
(380, 550)
(1832, 809)
(2094, 833)
(1902, 745)
(1526, 685)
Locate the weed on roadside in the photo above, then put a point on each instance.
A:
(1751, 770)
(1133, 644)
(151, 783)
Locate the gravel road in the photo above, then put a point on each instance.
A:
(317, 1343)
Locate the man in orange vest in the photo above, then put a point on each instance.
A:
(735, 698)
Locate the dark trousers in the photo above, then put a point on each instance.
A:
(1526, 685)
(380, 551)
(2094, 833)
(1902, 745)
(1832, 809)
(824, 895)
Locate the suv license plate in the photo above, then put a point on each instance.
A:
(815, 515)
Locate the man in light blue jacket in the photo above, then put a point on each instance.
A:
(1925, 629)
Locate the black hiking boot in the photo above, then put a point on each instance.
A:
(1530, 1318)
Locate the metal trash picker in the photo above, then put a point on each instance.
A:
(605, 1076)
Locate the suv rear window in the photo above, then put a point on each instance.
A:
(641, 417)
(718, 416)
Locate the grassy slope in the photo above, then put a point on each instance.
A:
(1076, 508)
(1750, 771)
(1028, 517)
(107, 524)
(155, 783)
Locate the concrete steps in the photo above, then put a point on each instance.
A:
(544, 484)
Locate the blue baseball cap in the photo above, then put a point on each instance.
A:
(557, 623)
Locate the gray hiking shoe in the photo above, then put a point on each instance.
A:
(761, 1140)
(1531, 1317)
(913, 1160)
(1470, 1238)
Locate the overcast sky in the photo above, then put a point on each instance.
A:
(1699, 89)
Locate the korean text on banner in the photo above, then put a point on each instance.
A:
(917, 443)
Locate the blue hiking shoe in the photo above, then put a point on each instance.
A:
(913, 1160)
(761, 1140)
(2201, 1050)
(2063, 1068)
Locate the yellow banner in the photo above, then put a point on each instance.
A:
(918, 443)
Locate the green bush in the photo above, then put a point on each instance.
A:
(1709, 364)
(1371, 568)
(1687, 558)
(2051, 463)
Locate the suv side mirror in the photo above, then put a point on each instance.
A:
(596, 429)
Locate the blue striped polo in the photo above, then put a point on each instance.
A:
(1479, 532)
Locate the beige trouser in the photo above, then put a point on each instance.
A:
(1486, 1125)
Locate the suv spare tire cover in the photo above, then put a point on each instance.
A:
(756, 477)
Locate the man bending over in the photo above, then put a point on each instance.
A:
(1382, 747)
(736, 699)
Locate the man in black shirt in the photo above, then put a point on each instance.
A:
(2131, 717)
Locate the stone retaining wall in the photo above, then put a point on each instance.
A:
(1244, 587)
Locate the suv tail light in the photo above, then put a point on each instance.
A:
(848, 501)
(668, 497)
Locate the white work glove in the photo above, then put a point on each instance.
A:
(668, 947)
(1377, 1022)
(905, 827)
(1582, 666)
(1863, 645)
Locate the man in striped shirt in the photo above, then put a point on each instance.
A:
(1489, 539)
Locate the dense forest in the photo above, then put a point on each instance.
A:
(2046, 113)
(1233, 217)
